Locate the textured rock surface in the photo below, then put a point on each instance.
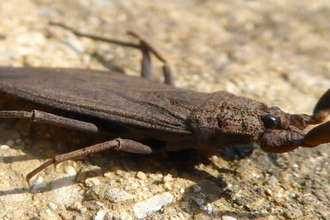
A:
(275, 52)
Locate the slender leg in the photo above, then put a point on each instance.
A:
(169, 80)
(48, 118)
(146, 64)
(143, 46)
(118, 144)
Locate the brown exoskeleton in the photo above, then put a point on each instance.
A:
(150, 117)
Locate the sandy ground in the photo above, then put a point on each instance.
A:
(276, 52)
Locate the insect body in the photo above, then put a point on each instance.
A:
(151, 117)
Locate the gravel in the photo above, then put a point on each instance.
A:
(276, 52)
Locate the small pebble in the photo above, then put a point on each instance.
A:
(153, 204)
(118, 172)
(117, 195)
(168, 186)
(208, 208)
(100, 215)
(272, 180)
(159, 175)
(90, 182)
(4, 146)
(167, 178)
(52, 206)
(70, 170)
(227, 217)
(141, 175)
(268, 192)
(198, 201)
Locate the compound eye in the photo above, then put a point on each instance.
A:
(270, 121)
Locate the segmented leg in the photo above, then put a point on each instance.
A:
(320, 134)
(118, 144)
(44, 117)
(48, 118)
(143, 45)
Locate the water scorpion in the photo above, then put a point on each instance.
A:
(141, 116)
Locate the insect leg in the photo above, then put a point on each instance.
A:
(146, 64)
(317, 135)
(48, 118)
(118, 144)
(322, 108)
(143, 45)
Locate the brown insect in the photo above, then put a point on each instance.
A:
(141, 116)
